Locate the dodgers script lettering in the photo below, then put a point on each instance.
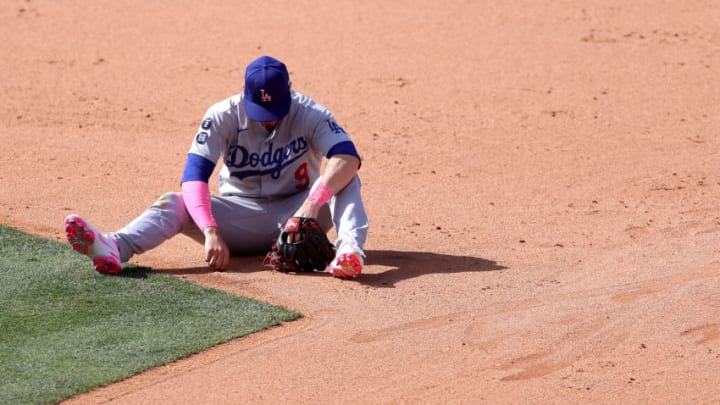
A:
(269, 161)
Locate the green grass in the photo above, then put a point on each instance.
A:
(65, 329)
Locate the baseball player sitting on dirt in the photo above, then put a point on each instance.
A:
(273, 198)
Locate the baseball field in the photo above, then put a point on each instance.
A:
(542, 180)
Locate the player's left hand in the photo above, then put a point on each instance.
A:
(306, 210)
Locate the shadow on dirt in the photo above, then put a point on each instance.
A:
(407, 265)
(403, 266)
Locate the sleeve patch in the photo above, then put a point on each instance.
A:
(335, 127)
(201, 138)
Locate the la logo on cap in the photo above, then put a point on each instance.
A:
(265, 97)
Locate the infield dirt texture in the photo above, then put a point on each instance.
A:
(542, 180)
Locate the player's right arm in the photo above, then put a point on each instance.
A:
(196, 194)
(204, 153)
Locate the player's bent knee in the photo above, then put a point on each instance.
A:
(172, 204)
(169, 199)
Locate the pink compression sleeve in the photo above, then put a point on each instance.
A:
(197, 201)
(321, 194)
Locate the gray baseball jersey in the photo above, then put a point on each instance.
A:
(255, 159)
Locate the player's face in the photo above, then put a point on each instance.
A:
(269, 125)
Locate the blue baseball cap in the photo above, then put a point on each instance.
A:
(267, 89)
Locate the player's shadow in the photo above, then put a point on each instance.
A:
(397, 266)
(407, 265)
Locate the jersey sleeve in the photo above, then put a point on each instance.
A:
(197, 168)
(343, 148)
(218, 126)
(327, 136)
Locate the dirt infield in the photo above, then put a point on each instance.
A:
(542, 180)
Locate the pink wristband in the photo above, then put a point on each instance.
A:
(197, 201)
(320, 195)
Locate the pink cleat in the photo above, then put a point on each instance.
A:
(102, 249)
(346, 265)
